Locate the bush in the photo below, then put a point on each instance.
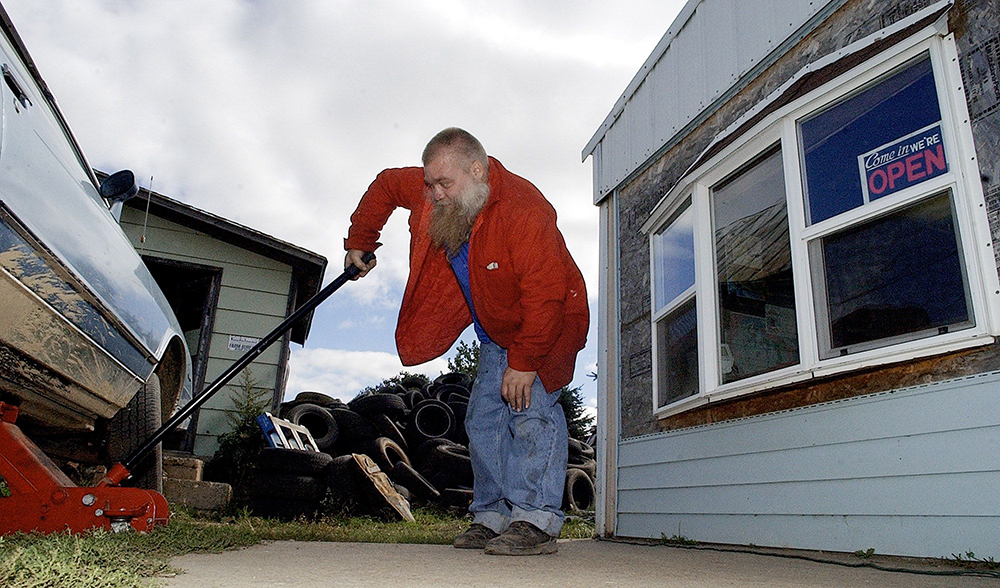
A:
(235, 460)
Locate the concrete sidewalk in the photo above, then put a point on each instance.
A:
(580, 563)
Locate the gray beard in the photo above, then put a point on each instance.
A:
(451, 225)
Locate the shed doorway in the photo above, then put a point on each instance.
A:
(193, 293)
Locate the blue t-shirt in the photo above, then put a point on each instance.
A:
(460, 265)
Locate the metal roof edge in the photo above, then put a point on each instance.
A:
(830, 7)
(937, 9)
(640, 76)
(230, 231)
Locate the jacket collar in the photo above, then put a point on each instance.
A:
(497, 172)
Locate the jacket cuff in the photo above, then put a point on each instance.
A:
(351, 243)
(522, 362)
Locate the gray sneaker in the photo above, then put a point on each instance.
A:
(522, 538)
(475, 537)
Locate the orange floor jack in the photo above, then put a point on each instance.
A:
(43, 499)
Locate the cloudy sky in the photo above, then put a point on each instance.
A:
(278, 114)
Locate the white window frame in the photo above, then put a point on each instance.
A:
(962, 179)
(681, 299)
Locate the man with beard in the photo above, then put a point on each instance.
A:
(484, 249)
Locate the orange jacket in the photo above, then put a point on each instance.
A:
(528, 293)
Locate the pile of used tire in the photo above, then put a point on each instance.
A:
(414, 432)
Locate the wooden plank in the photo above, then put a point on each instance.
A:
(257, 279)
(958, 494)
(952, 405)
(171, 237)
(887, 471)
(910, 455)
(270, 303)
(213, 422)
(263, 370)
(250, 324)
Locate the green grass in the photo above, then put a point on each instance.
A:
(103, 559)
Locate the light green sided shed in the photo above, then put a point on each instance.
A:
(229, 286)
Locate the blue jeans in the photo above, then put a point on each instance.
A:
(518, 458)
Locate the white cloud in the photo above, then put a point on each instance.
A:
(342, 374)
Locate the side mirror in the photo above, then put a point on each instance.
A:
(119, 186)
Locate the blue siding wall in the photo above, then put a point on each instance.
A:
(907, 472)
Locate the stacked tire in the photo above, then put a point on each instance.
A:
(414, 431)
(581, 473)
(288, 483)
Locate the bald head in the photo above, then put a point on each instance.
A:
(457, 143)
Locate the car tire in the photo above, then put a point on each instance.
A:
(384, 452)
(431, 418)
(412, 398)
(266, 484)
(413, 382)
(580, 449)
(459, 408)
(455, 378)
(293, 461)
(419, 486)
(580, 492)
(422, 453)
(449, 466)
(318, 421)
(589, 466)
(130, 428)
(390, 405)
(386, 427)
(457, 497)
(318, 398)
(446, 392)
(353, 427)
(342, 481)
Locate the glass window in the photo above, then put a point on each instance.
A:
(894, 278)
(675, 315)
(754, 263)
(673, 249)
(677, 345)
(876, 237)
(878, 141)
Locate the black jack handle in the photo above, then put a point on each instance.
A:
(350, 273)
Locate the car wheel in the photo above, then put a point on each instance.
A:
(130, 428)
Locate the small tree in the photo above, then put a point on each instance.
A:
(578, 421)
(397, 379)
(466, 359)
(234, 461)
